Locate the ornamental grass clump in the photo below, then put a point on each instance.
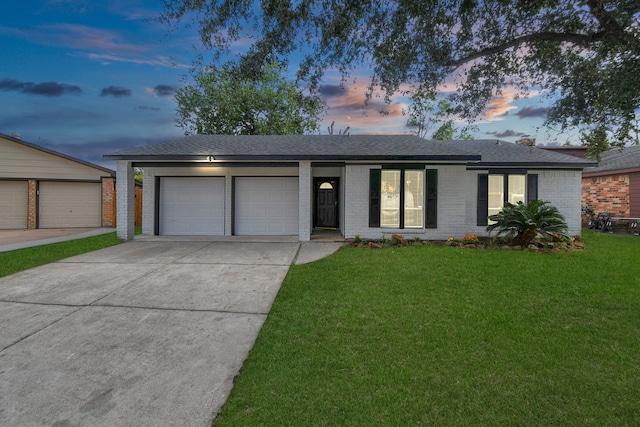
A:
(522, 223)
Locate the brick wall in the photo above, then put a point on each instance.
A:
(108, 202)
(607, 194)
(32, 203)
(634, 194)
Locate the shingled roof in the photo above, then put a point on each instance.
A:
(619, 159)
(346, 147)
(496, 153)
(297, 147)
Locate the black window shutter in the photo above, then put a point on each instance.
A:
(483, 200)
(532, 187)
(431, 202)
(375, 183)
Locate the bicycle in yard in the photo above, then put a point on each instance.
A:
(601, 221)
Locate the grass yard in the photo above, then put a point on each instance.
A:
(447, 336)
(22, 259)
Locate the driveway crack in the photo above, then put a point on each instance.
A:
(37, 331)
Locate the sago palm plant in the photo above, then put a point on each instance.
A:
(522, 223)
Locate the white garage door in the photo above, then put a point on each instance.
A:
(14, 199)
(266, 206)
(192, 206)
(70, 204)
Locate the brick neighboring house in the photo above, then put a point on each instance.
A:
(614, 185)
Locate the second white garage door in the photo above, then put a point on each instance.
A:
(70, 204)
(266, 206)
(192, 206)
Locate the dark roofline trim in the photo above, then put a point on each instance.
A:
(214, 164)
(530, 165)
(610, 172)
(58, 154)
(402, 162)
(275, 157)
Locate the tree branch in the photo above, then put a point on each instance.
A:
(577, 39)
(606, 21)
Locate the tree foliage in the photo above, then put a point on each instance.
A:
(222, 102)
(433, 118)
(586, 53)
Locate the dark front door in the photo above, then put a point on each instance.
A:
(326, 213)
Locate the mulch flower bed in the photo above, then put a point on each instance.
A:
(470, 242)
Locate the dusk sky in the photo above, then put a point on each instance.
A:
(87, 77)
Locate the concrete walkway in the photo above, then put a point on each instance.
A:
(143, 333)
(19, 239)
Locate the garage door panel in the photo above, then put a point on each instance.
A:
(266, 206)
(70, 204)
(14, 199)
(192, 206)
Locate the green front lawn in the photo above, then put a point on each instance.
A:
(448, 336)
(22, 259)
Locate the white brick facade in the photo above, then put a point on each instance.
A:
(456, 198)
(125, 192)
(305, 196)
(148, 201)
(451, 206)
(563, 189)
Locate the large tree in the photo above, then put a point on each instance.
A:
(586, 54)
(433, 118)
(221, 101)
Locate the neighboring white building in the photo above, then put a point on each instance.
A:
(370, 185)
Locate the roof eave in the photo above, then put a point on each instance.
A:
(203, 157)
(555, 165)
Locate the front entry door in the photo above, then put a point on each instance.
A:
(326, 212)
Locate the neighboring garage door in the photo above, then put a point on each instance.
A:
(70, 204)
(266, 206)
(14, 198)
(191, 206)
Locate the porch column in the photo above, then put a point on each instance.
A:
(125, 192)
(304, 201)
(148, 201)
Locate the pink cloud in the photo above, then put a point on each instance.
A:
(160, 60)
(87, 38)
(499, 106)
(347, 106)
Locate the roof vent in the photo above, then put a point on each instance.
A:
(15, 135)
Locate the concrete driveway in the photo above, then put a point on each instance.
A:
(143, 333)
